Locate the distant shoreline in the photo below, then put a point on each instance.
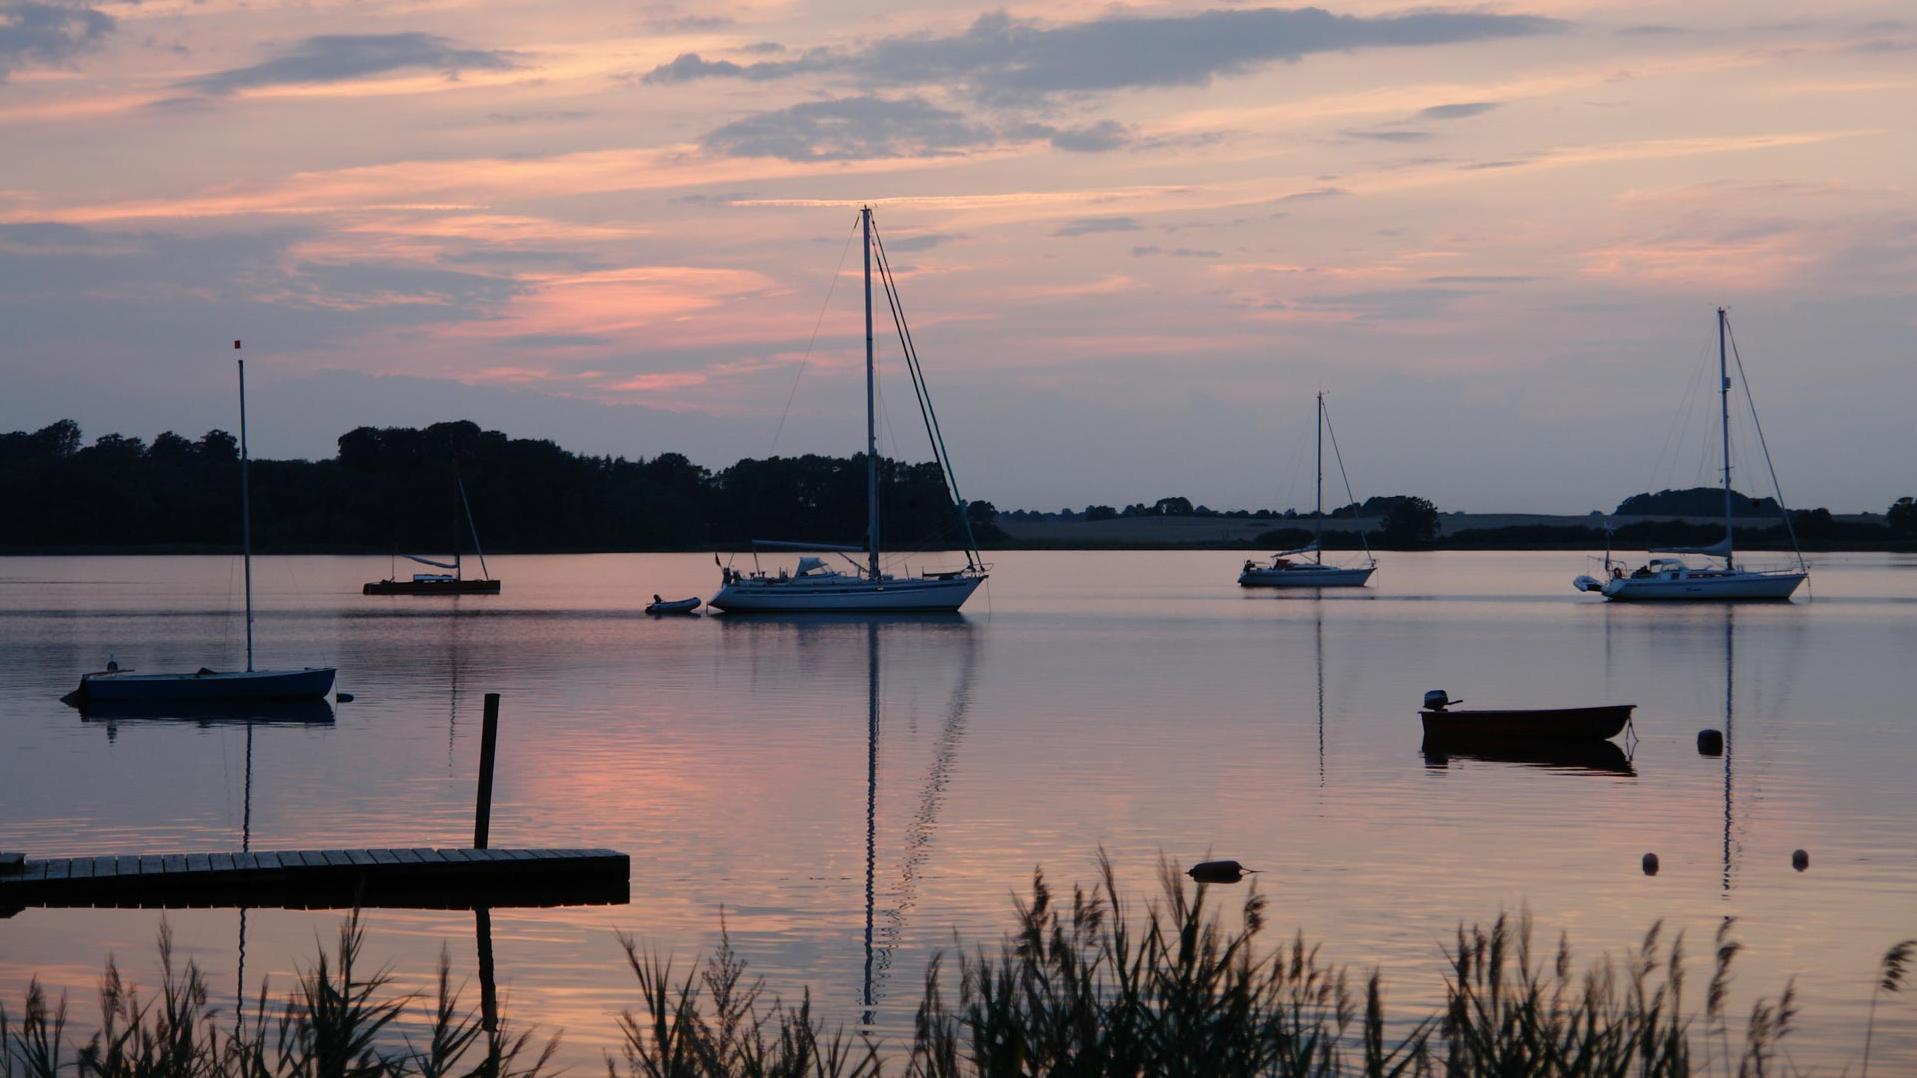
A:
(1087, 546)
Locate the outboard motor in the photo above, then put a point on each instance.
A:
(1436, 699)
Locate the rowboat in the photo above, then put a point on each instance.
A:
(672, 606)
(1444, 725)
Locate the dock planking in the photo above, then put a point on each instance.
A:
(415, 878)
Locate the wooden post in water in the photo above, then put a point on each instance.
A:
(488, 741)
(488, 992)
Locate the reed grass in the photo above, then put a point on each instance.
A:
(1084, 984)
(336, 1022)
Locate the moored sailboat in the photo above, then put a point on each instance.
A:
(453, 583)
(1287, 568)
(1719, 578)
(817, 587)
(304, 683)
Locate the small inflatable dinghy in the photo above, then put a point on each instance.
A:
(674, 606)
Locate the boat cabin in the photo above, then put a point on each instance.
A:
(1669, 569)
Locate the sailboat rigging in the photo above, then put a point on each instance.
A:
(815, 586)
(1675, 578)
(304, 683)
(453, 583)
(1286, 569)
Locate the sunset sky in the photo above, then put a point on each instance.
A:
(1134, 238)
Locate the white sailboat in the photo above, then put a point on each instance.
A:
(1719, 577)
(817, 587)
(305, 683)
(1287, 568)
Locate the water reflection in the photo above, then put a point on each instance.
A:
(1318, 656)
(1602, 757)
(110, 713)
(1120, 700)
(1730, 715)
(916, 846)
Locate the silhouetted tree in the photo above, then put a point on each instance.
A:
(1695, 502)
(1410, 522)
(393, 489)
(168, 446)
(1172, 507)
(217, 445)
(1902, 519)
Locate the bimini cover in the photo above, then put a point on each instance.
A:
(810, 564)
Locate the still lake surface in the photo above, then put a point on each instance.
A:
(1137, 701)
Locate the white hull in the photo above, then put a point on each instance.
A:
(1307, 576)
(1719, 585)
(845, 594)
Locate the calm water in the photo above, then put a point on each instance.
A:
(1137, 701)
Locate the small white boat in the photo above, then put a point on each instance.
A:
(1286, 568)
(302, 683)
(1722, 579)
(816, 588)
(672, 606)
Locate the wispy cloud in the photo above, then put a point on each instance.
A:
(1006, 58)
(37, 34)
(1313, 195)
(1086, 226)
(870, 127)
(1150, 249)
(345, 57)
(851, 129)
(1094, 138)
(1457, 111)
(1390, 134)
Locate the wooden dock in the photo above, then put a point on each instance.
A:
(416, 878)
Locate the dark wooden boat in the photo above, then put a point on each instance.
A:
(1444, 725)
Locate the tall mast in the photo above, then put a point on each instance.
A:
(1319, 553)
(246, 517)
(871, 414)
(1724, 409)
(472, 528)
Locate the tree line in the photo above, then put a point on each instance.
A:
(394, 489)
(397, 489)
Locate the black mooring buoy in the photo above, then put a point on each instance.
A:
(1650, 864)
(1218, 871)
(343, 698)
(1800, 860)
(1710, 742)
